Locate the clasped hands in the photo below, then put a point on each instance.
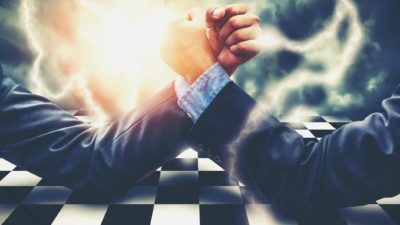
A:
(192, 43)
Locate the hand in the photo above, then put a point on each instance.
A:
(232, 33)
(185, 47)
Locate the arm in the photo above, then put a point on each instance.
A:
(40, 137)
(356, 164)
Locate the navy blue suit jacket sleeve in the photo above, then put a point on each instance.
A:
(45, 140)
(356, 164)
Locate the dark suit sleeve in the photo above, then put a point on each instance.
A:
(47, 141)
(356, 164)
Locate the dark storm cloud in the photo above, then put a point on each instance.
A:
(373, 76)
(15, 55)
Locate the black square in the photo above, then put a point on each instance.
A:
(220, 195)
(181, 164)
(202, 154)
(87, 197)
(338, 125)
(18, 168)
(393, 211)
(321, 216)
(179, 178)
(47, 182)
(177, 195)
(128, 214)
(3, 174)
(216, 178)
(321, 133)
(33, 214)
(223, 214)
(13, 195)
(151, 180)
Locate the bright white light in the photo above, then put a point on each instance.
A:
(108, 52)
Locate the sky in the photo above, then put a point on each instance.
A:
(371, 75)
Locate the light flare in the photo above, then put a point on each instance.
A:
(114, 43)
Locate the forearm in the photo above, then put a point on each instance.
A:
(356, 164)
(40, 137)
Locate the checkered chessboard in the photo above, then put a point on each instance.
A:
(190, 190)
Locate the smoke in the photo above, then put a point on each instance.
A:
(323, 50)
(316, 77)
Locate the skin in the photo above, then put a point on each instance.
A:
(227, 35)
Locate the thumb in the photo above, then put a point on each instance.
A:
(214, 15)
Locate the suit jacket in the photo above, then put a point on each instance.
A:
(356, 164)
(45, 140)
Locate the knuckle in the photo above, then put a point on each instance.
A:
(233, 22)
(236, 36)
(241, 47)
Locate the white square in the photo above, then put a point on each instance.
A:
(6, 165)
(5, 211)
(188, 154)
(390, 201)
(318, 126)
(260, 214)
(208, 165)
(305, 133)
(81, 215)
(176, 214)
(20, 178)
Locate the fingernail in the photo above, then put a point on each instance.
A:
(217, 12)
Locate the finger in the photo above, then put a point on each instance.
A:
(245, 34)
(213, 16)
(236, 9)
(230, 11)
(237, 22)
(246, 48)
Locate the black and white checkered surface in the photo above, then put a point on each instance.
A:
(190, 190)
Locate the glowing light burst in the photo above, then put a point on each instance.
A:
(38, 85)
(323, 48)
(338, 61)
(112, 47)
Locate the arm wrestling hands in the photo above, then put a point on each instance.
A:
(228, 35)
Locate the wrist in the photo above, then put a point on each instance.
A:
(228, 67)
(198, 70)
